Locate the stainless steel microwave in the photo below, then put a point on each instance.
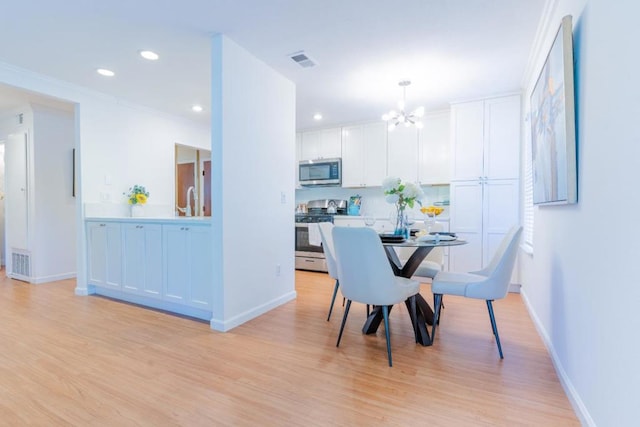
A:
(321, 172)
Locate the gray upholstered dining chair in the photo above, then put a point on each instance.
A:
(326, 236)
(490, 283)
(366, 276)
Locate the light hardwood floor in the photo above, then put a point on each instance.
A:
(70, 360)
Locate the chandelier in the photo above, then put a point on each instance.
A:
(394, 118)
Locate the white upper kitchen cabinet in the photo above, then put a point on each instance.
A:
(321, 144)
(402, 153)
(485, 139)
(434, 146)
(142, 259)
(364, 162)
(298, 157)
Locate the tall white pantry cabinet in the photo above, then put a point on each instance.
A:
(485, 166)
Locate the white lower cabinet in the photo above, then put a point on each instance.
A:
(159, 264)
(187, 265)
(482, 211)
(142, 259)
(104, 256)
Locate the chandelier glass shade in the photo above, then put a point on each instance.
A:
(395, 118)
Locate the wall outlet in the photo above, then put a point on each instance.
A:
(283, 197)
(277, 269)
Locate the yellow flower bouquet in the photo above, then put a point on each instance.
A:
(137, 195)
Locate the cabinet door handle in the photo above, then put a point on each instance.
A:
(186, 228)
(103, 225)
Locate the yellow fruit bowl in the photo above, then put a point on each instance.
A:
(431, 210)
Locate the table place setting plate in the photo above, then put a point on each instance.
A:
(391, 238)
(436, 237)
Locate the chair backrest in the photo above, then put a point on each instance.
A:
(364, 270)
(326, 236)
(499, 270)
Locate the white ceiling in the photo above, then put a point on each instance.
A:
(450, 49)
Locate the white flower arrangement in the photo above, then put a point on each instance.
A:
(401, 194)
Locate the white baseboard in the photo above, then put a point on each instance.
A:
(52, 278)
(226, 325)
(83, 292)
(576, 402)
(43, 279)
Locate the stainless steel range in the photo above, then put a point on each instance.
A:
(309, 256)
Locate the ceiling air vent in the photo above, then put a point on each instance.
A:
(302, 59)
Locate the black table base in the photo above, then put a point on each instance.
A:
(423, 309)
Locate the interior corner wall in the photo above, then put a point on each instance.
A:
(53, 233)
(253, 157)
(581, 284)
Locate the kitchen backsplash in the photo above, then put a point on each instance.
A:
(373, 201)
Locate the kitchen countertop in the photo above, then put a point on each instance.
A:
(204, 220)
(384, 218)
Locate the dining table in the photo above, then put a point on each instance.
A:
(424, 312)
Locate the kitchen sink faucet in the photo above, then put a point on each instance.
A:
(187, 209)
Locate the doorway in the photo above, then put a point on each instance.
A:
(37, 248)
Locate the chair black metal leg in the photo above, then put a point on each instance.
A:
(368, 310)
(333, 298)
(414, 316)
(437, 304)
(494, 326)
(344, 321)
(441, 304)
(385, 313)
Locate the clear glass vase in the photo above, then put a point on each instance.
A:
(401, 223)
(137, 210)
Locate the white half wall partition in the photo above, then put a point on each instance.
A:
(253, 156)
(118, 144)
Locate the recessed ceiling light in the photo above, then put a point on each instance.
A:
(317, 116)
(197, 108)
(105, 72)
(151, 56)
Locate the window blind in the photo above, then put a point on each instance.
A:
(528, 193)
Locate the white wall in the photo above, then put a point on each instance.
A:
(581, 284)
(134, 146)
(2, 193)
(53, 232)
(252, 154)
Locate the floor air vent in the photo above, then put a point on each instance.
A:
(20, 264)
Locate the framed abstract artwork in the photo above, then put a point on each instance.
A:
(553, 134)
